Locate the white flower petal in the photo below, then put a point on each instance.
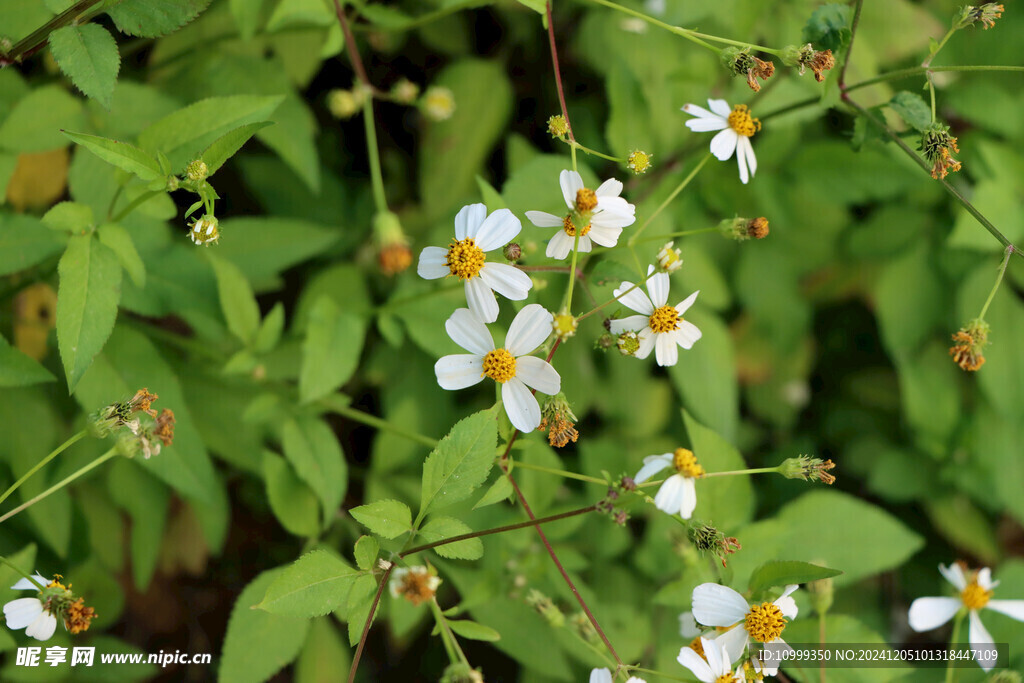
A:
(24, 584)
(787, 606)
(609, 188)
(717, 605)
(543, 219)
(468, 220)
(585, 244)
(733, 642)
(633, 322)
(688, 625)
(634, 679)
(459, 371)
(607, 219)
(696, 664)
(985, 579)
(467, 331)
(43, 627)
(634, 298)
(481, 300)
(538, 374)
(600, 676)
(497, 230)
(666, 351)
(684, 334)
(520, 405)
(1011, 608)
(605, 236)
(748, 154)
(980, 638)
(506, 280)
(657, 285)
(685, 304)
(689, 499)
(954, 573)
(646, 338)
(700, 112)
(780, 650)
(928, 613)
(433, 263)
(670, 496)
(528, 330)
(616, 205)
(720, 107)
(652, 465)
(741, 158)
(22, 612)
(559, 246)
(706, 125)
(571, 182)
(724, 144)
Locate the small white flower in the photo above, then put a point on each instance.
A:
(439, 103)
(717, 605)
(476, 233)
(416, 584)
(975, 594)
(669, 260)
(659, 327)
(29, 613)
(605, 676)
(509, 366)
(736, 126)
(678, 493)
(715, 669)
(603, 212)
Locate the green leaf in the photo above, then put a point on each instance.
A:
(331, 351)
(224, 147)
(783, 573)
(154, 18)
(24, 242)
(272, 245)
(386, 518)
(120, 242)
(705, 375)
(323, 656)
(270, 330)
(18, 370)
(183, 135)
(526, 637)
(725, 501)
(500, 490)
(87, 298)
(909, 301)
(87, 54)
(121, 154)
(315, 584)
(279, 637)
(829, 27)
(293, 503)
(474, 631)
(146, 501)
(237, 300)
(358, 608)
(912, 109)
(70, 217)
(313, 449)
(461, 461)
(247, 15)
(366, 552)
(964, 526)
(35, 123)
(440, 528)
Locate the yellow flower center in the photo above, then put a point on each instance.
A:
(698, 647)
(586, 200)
(725, 678)
(686, 463)
(974, 596)
(570, 227)
(764, 622)
(664, 319)
(500, 365)
(742, 122)
(465, 259)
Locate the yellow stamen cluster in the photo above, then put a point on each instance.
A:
(417, 585)
(500, 365)
(570, 226)
(205, 231)
(758, 228)
(560, 430)
(686, 463)
(664, 319)
(558, 126)
(698, 647)
(969, 344)
(936, 143)
(586, 200)
(742, 122)
(78, 616)
(974, 596)
(764, 622)
(725, 678)
(164, 427)
(465, 259)
(639, 161)
(394, 258)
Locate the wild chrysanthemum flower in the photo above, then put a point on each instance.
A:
(38, 616)
(711, 665)
(659, 326)
(717, 605)
(465, 258)
(938, 147)
(669, 260)
(508, 366)
(736, 127)
(678, 493)
(416, 584)
(970, 342)
(205, 231)
(598, 215)
(976, 590)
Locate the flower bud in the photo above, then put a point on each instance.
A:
(405, 91)
(438, 103)
(205, 231)
(628, 343)
(669, 260)
(393, 255)
(343, 104)
(196, 170)
(512, 252)
(558, 126)
(564, 325)
(822, 594)
(639, 162)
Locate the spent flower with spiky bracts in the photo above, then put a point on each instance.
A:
(743, 229)
(122, 413)
(808, 468)
(558, 420)
(742, 63)
(805, 57)
(708, 539)
(393, 253)
(985, 14)
(969, 345)
(39, 615)
(938, 147)
(417, 584)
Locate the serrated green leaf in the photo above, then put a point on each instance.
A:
(154, 18)
(87, 54)
(87, 299)
(224, 147)
(828, 28)
(366, 552)
(474, 631)
(783, 573)
(120, 154)
(120, 242)
(18, 370)
(314, 451)
(247, 15)
(237, 301)
(331, 351)
(500, 490)
(386, 518)
(291, 500)
(440, 528)
(69, 217)
(146, 501)
(358, 607)
(35, 123)
(912, 109)
(460, 463)
(315, 584)
(273, 244)
(270, 330)
(24, 242)
(324, 654)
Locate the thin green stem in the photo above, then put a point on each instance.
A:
(613, 299)
(735, 43)
(572, 273)
(692, 36)
(920, 70)
(422, 19)
(593, 152)
(21, 571)
(821, 641)
(35, 40)
(755, 470)
(61, 484)
(995, 287)
(373, 153)
(42, 463)
(376, 422)
(942, 43)
(931, 91)
(559, 473)
(451, 643)
(135, 203)
(953, 639)
(849, 47)
(655, 672)
(669, 199)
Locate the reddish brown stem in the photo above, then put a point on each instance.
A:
(369, 622)
(350, 46)
(558, 72)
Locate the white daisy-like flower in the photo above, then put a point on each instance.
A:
(677, 494)
(717, 668)
(605, 676)
(416, 584)
(602, 211)
(510, 366)
(975, 594)
(736, 127)
(29, 613)
(465, 258)
(660, 327)
(717, 605)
